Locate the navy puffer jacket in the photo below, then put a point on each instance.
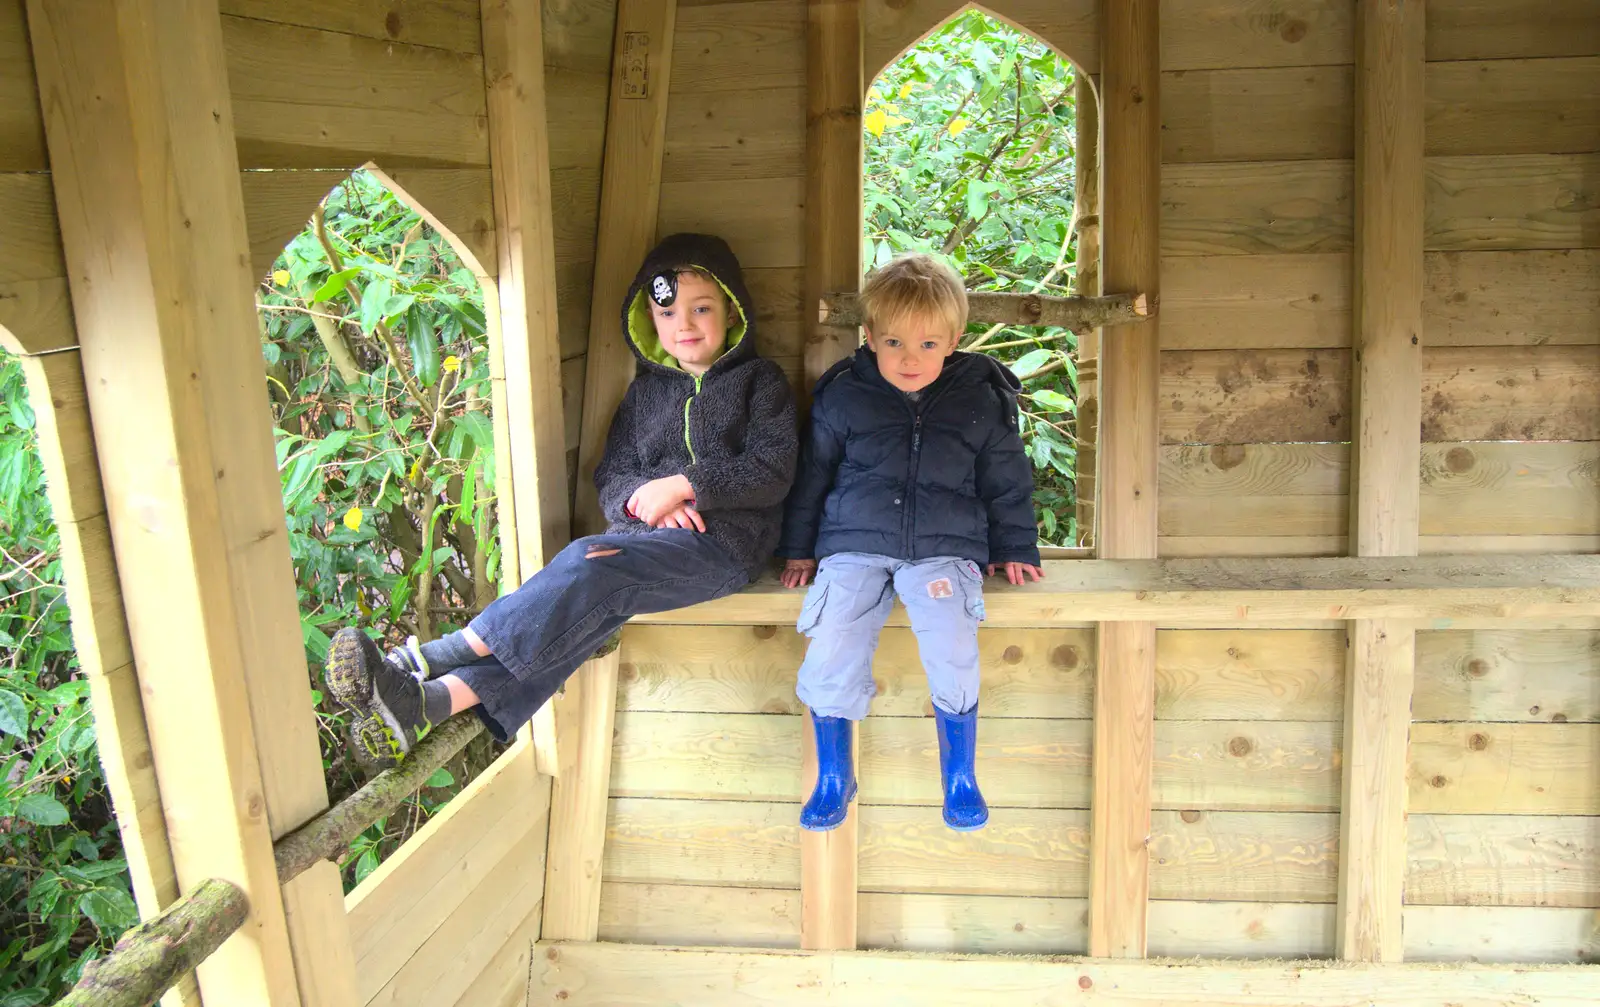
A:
(945, 475)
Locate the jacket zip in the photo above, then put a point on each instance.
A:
(688, 441)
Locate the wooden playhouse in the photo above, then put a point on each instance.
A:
(1317, 720)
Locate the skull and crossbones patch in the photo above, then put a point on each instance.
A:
(664, 289)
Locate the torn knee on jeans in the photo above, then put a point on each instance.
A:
(601, 553)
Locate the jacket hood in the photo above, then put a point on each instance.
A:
(959, 368)
(675, 253)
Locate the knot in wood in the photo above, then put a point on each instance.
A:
(1031, 308)
(765, 632)
(1189, 816)
(1239, 747)
(1012, 655)
(1477, 667)
(1478, 742)
(1438, 782)
(1064, 656)
(1085, 983)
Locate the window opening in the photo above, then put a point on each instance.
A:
(969, 141)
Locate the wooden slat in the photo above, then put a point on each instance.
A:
(1199, 34)
(1511, 489)
(1511, 393)
(1503, 29)
(1530, 674)
(1252, 396)
(619, 973)
(725, 843)
(575, 111)
(584, 717)
(1257, 114)
(503, 982)
(1513, 201)
(397, 909)
(630, 192)
(1514, 106)
(1515, 860)
(1256, 208)
(36, 316)
(1070, 27)
(719, 135)
(305, 98)
(699, 914)
(1258, 674)
(1506, 769)
(1509, 298)
(744, 45)
(22, 146)
(1255, 301)
(141, 153)
(442, 24)
(1494, 934)
(762, 218)
(530, 339)
(32, 250)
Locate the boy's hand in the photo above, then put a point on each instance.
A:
(658, 498)
(797, 572)
(685, 517)
(1015, 572)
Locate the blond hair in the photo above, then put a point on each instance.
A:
(914, 285)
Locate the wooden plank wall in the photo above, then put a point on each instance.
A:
(702, 845)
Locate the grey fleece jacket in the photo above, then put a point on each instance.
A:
(731, 432)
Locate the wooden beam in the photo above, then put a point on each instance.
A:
(1243, 591)
(843, 309)
(146, 178)
(1130, 62)
(835, 88)
(1086, 218)
(579, 975)
(513, 68)
(585, 715)
(1386, 453)
(630, 192)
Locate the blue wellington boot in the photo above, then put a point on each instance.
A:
(836, 778)
(964, 808)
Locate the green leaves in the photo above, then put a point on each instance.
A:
(13, 714)
(110, 910)
(1052, 401)
(42, 809)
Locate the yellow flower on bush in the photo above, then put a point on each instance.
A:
(451, 364)
(905, 90)
(352, 519)
(281, 278)
(957, 126)
(875, 121)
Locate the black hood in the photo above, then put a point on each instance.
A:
(674, 253)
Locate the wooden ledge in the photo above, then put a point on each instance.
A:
(1248, 590)
(578, 975)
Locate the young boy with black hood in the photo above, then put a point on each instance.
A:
(699, 457)
(913, 479)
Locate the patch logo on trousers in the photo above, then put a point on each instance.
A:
(941, 588)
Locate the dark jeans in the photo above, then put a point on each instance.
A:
(541, 632)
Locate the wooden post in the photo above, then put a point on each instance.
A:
(585, 716)
(630, 192)
(140, 133)
(835, 89)
(529, 431)
(630, 196)
(1386, 458)
(1124, 697)
(1086, 215)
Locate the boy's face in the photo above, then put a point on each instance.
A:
(912, 350)
(694, 327)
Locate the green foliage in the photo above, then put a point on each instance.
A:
(64, 889)
(969, 156)
(378, 360)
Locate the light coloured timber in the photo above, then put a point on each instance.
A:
(1504, 769)
(305, 98)
(746, 45)
(33, 238)
(458, 201)
(1215, 302)
(630, 192)
(1511, 393)
(578, 34)
(1256, 208)
(1256, 114)
(762, 219)
(22, 145)
(715, 136)
(468, 939)
(1232, 471)
(504, 980)
(575, 203)
(526, 265)
(575, 103)
(440, 24)
(723, 843)
(1202, 34)
(1242, 590)
(1513, 201)
(1514, 106)
(700, 914)
(1532, 488)
(715, 669)
(1503, 860)
(36, 316)
(1548, 675)
(1253, 396)
(1270, 675)
(320, 924)
(829, 861)
(1511, 298)
(1497, 934)
(1086, 221)
(398, 907)
(1506, 29)
(617, 973)
(1070, 28)
(140, 151)
(584, 716)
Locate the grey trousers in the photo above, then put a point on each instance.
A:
(845, 610)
